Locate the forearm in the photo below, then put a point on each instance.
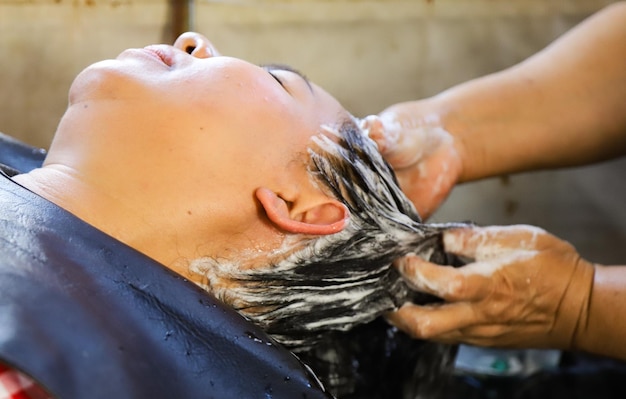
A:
(564, 106)
(604, 325)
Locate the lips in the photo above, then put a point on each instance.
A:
(162, 54)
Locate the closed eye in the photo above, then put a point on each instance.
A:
(280, 67)
(278, 80)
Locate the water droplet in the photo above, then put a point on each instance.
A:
(254, 337)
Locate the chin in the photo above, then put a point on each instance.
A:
(107, 79)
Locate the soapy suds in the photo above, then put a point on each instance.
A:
(418, 281)
(489, 266)
(316, 287)
(317, 284)
(425, 137)
(489, 243)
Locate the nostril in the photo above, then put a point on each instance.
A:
(190, 49)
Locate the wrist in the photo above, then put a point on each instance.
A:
(574, 311)
(602, 330)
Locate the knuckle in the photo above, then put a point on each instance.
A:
(493, 312)
(406, 266)
(414, 331)
(457, 287)
(424, 329)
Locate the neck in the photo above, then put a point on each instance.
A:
(160, 221)
(116, 215)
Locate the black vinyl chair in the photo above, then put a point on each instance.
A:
(19, 157)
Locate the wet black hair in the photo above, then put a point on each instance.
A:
(319, 290)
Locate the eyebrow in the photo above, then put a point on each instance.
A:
(284, 67)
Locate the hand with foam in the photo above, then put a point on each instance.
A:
(423, 154)
(524, 288)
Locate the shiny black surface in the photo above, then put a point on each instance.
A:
(89, 317)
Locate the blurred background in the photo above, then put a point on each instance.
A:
(368, 53)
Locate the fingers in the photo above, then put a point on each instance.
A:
(426, 322)
(519, 290)
(403, 143)
(445, 282)
(491, 248)
(482, 243)
(422, 153)
(385, 139)
(460, 322)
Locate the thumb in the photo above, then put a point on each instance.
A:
(446, 282)
(481, 243)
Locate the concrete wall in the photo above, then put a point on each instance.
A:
(368, 53)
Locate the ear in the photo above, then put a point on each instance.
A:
(328, 216)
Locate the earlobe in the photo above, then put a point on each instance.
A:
(325, 217)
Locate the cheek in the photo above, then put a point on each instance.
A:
(241, 127)
(247, 135)
(119, 80)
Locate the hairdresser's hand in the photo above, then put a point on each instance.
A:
(422, 153)
(526, 288)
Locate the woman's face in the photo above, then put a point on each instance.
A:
(234, 110)
(200, 131)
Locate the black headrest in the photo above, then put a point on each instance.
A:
(19, 157)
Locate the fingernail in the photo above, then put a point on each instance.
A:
(395, 320)
(452, 242)
(389, 317)
(400, 264)
(406, 265)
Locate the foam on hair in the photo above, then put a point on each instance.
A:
(317, 284)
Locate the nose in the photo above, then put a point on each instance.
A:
(197, 45)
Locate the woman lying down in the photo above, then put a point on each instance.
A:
(257, 185)
(312, 292)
